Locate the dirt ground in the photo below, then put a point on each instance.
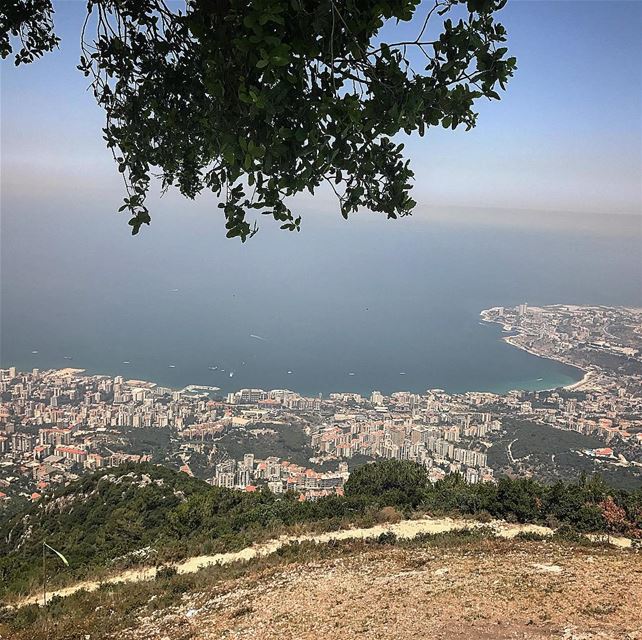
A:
(405, 529)
(495, 590)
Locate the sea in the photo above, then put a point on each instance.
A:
(352, 306)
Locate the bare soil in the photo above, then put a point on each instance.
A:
(490, 590)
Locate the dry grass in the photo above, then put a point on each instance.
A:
(451, 586)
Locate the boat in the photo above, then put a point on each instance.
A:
(126, 362)
(351, 373)
(213, 368)
(231, 374)
(289, 372)
(34, 352)
(172, 366)
(67, 357)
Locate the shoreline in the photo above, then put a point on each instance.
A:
(587, 374)
(195, 388)
(580, 383)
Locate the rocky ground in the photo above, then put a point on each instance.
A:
(492, 589)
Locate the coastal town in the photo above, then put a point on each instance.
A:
(57, 424)
(604, 342)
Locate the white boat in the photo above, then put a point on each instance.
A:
(172, 366)
(126, 362)
(34, 352)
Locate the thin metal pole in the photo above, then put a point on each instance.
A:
(44, 588)
(44, 576)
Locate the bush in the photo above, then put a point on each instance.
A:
(25, 617)
(389, 515)
(387, 537)
(484, 517)
(530, 536)
(165, 572)
(395, 483)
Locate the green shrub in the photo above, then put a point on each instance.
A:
(387, 537)
(530, 536)
(165, 572)
(389, 483)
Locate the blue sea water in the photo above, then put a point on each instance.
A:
(395, 304)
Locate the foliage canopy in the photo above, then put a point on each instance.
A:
(258, 101)
(114, 513)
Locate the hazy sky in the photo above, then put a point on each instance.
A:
(524, 207)
(567, 136)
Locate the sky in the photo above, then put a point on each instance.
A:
(540, 202)
(566, 137)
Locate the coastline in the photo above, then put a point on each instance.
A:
(508, 333)
(587, 374)
(580, 383)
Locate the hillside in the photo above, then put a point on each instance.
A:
(94, 521)
(451, 586)
(149, 515)
(488, 590)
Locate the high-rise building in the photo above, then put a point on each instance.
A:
(22, 442)
(248, 461)
(252, 395)
(244, 477)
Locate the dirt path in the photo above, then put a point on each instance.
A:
(403, 529)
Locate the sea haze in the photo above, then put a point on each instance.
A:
(394, 303)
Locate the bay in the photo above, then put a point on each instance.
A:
(356, 307)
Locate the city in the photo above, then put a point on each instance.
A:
(56, 425)
(320, 320)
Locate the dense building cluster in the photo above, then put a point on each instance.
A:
(280, 476)
(57, 424)
(606, 343)
(442, 432)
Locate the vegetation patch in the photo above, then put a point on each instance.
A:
(146, 514)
